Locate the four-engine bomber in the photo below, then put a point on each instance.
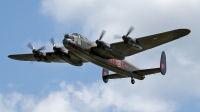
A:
(77, 50)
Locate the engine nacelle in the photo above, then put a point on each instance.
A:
(132, 42)
(104, 46)
(40, 56)
(69, 58)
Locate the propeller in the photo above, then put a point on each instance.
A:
(52, 42)
(102, 34)
(54, 45)
(129, 31)
(39, 56)
(99, 42)
(32, 48)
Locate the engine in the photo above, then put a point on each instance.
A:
(105, 46)
(68, 57)
(40, 56)
(64, 55)
(132, 43)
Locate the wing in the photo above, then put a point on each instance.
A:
(149, 42)
(51, 57)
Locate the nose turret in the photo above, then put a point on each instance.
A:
(67, 36)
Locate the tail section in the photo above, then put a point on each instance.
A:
(162, 68)
(163, 63)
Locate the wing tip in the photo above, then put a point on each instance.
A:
(184, 31)
(10, 56)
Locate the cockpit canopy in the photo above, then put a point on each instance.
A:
(79, 35)
(68, 36)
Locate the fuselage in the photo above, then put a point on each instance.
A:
(80, 46)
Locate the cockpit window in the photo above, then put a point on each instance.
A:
(79, 35)
(69, 36)
(76, 34)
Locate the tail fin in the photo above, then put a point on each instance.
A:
(105, 72)
(163, 63)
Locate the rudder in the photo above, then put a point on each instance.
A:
(163, 64)
(105, 72)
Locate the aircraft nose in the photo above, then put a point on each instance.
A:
(67, 42)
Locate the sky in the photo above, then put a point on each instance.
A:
(61, 87)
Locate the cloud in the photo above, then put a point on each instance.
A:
(94, 97)
(118, 16)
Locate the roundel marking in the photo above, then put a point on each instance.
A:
(118, 63)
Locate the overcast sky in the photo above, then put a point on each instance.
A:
(44, 87)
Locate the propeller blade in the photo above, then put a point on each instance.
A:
(102, 34)
(30, 46)
(130, 30)
(52, 41)
(42, 48)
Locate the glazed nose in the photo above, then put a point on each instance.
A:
(67, 41)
